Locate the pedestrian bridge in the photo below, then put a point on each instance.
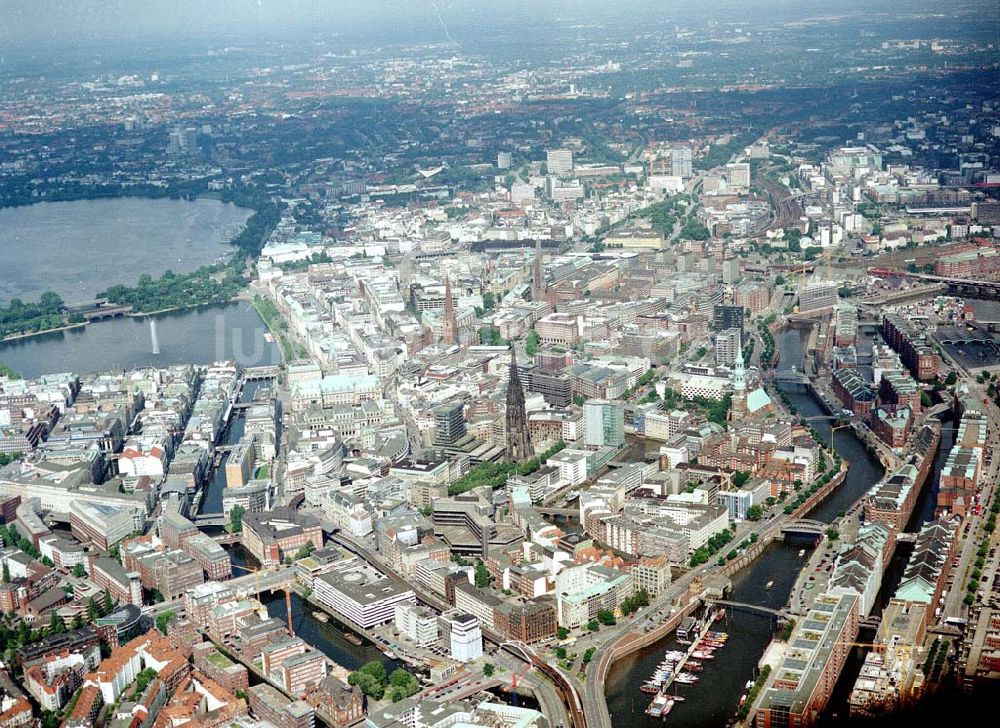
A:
(211, 519)
(748, 607)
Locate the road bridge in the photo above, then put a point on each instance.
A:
(791, 376)
(553, 512)
(804, 529)
(210, 519)
(268, 372)
(960, 286)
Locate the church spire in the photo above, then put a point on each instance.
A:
(739, 380)
(450, 335)
(518, 439)
(739, 372)
(537, 275)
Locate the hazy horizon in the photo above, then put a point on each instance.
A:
(68, 23)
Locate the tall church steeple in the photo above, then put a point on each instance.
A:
(739, 380)
(450, 335)
(537, 275)
(518, 439)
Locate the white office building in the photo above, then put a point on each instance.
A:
(462, 636)
(417, 624)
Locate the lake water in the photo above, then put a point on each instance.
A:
(79, 248)
(198, 336)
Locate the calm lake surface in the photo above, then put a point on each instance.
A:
(198, 336)
(79, 248)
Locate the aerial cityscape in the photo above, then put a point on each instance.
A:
(446, 363)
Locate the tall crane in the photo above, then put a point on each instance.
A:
(287, 589)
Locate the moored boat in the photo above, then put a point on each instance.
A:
(656, 708)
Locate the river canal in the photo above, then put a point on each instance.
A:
(714, 700)
(327, 637)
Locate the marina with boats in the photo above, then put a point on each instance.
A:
(681, 667)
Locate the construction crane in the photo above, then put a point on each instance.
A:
(515, 678)
(287, 589)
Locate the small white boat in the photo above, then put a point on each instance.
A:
(769, 584)
(802, 552)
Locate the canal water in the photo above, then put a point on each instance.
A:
(714, 700)
(197, 336)
(212, 497)
(923, 511)
(327, 637)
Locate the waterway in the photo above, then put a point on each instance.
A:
(327, 637)
(211, 500)
(79, 248)
(197, 336)
(714, 700)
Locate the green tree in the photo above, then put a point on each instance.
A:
(488, 669)
(305, 551)
(531, 343)
(108, 605)
(56, 624)
(562, 633)
(588, 655)
(236, 518)
(79, 571)
(561, 653)
(92, 612)
(482, 575)
(593, 625)
(755, 513)
(165, 618)
(6, 572)
(606, 616)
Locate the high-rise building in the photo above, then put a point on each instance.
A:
(817, 294)
(730, 271)
(449, 423)
(680, 162)
(504, 160)
(538, 275)
(462, 636)
(559, 161)
(727, 317)
(518, 439)
(727, 344)
(603, 423)
(738, 174)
